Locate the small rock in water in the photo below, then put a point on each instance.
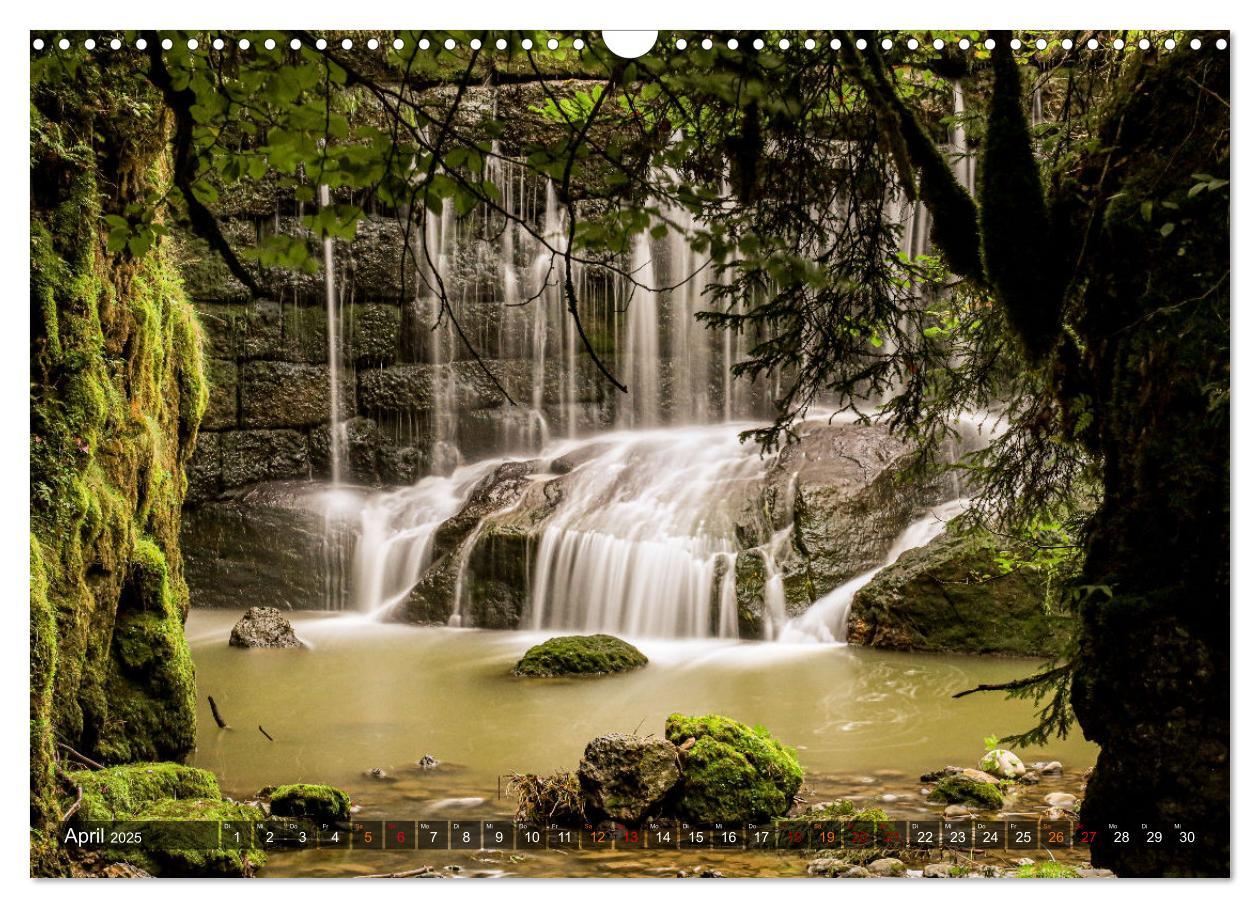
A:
(1054, 813)
(853, 872)
(1051, 768)
(937, 871)
(829, 867)
(887, 867)
(1060, 799)
(1032, 777)
(889, 797)
(264, 628)
(376, 773)
(957, 812)
(1002, 763)
(428, 761)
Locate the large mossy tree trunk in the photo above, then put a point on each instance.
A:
(1152, 683)
(116, 397)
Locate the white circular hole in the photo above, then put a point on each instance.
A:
(117, 45)
(475, 44)
(270, 44)
(861, 43)
(64, 44)
(346, 44)
(449, 43)
(192, 43)
(578, 44)
(423, 44)
(1221, 44)
(1016, 44)
(552, 43)
(217, 44)
(89, 44)
(1169, 44)
(398, 44)
(1067, 44)
(784, 44)
(938, 44)
(527, 44)
(1195, 43)
(295, 44)
(320, 43)
(886, 44)
(167, 44)
(963, 43)
(373, 44)
(1118, 44)
(989, 44)
(141, 44)
(1092, 44)
(243, 44)
(38, 44)
(733, 44)
(912, 44)
(1042, 44)
(707, 44)
(1144, 44)
(758, 44)
(501, 44)
(835, 43)
(681, 44)
(810, 43)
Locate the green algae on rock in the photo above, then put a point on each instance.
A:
(318, 802)
(732, 772)
(597, 654)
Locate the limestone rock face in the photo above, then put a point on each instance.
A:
(626, 778)
(264, 628)
(267, 544)
(951, 595)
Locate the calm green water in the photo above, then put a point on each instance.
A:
(866, 723)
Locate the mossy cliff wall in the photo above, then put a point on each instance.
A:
(117, 394)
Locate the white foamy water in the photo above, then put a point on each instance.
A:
(825, 621)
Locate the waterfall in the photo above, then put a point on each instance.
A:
(336, 429)
(826, 620)
(643, 355)
(635, 546)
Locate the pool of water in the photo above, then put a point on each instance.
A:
(364, 696)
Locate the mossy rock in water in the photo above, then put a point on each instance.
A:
(1047, 870)
(732, 772)
(120, 791)
(961, 789)
(319, 802)
(953, 595)
(598, 654)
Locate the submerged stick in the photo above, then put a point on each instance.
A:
(218, 719)
(265, 735)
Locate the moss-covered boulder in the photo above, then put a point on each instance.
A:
(964, 788)
(120, 791)
(953, 595)
(182, 800)
(318, 802)
(597, 654)
(732, 772)
(167, 853)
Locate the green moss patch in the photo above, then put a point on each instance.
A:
(959, 789)
(598, 654)
(120, 791)
(319, 802)
(191, 858)
(732, 772)
(1047, 870)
